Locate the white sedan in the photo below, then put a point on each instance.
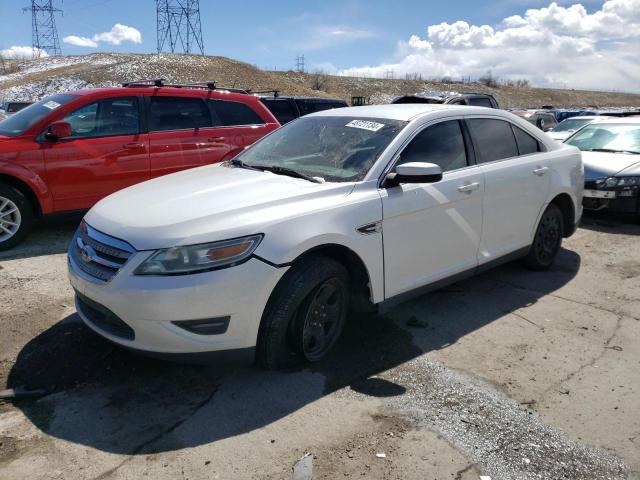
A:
(264, 255)
(568, 127)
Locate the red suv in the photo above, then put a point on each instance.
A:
(68, 151)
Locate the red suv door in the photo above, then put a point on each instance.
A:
(106, 153)
(182, 134)
(239, 122)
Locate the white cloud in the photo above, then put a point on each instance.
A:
(118, 34)
(80, 41)
(550, 46)
(22, 53)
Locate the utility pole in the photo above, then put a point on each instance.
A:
(178, 25)
(44, 35)
(300, 63)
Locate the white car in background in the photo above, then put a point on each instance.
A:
(265, 254)
(611, 153)
(568, 127)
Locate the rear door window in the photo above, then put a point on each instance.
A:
(178, 113)
(229, 114)
(442, 144)
(106, 118)
(493, 139)
(526, 143)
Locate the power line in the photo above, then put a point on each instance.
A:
(300, 63)
(178, 25)
(43, 28)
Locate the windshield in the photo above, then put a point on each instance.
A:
(571, 124)
(22, 120)
(335, 149)
(618, 137)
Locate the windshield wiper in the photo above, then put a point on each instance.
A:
(275, 169)
(236, 162)
(611, 150)
(290, 172)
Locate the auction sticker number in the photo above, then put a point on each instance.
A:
(365, 125)
(51, 105)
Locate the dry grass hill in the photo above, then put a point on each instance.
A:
(32, 80)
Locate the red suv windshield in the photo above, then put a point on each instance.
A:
(22, 120)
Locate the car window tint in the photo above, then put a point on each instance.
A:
(178, 113)
(494, 139)
(111, 117)
(526, 143)
(281, 109)
(306, 107)
(234, 113)
(479, 102)
(442, 144)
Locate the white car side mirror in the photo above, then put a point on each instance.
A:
(413, 172)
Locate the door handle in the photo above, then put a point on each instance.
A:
(133, 145)
(540, 171)
(469, 187)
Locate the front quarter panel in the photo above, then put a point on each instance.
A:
(334, 224)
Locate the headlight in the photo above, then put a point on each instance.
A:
(628, 181)
(199, 258)
(611, 182)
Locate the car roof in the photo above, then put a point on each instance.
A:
(404, 111)
(182, 91)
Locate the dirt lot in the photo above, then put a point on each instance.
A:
(514, 375)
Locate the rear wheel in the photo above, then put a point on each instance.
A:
(305, 316)
(547, 240)
(16, 216)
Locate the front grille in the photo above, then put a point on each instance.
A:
(97, 254)
(103, 318)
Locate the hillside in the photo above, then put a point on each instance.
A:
(32, 80)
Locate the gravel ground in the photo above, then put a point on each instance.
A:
(511, 375)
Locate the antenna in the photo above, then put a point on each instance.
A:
(43, 28)
(300, 63)
(178, 23)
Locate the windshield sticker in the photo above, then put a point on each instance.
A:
(365, 125)
(51, 105)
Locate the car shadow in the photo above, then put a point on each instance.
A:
(607, 222)
(46, 238)
(110, 399)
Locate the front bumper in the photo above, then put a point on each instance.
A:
(148, 306)
(624, 200)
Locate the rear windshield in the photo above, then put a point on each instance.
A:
(19, 122)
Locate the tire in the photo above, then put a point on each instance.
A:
(16, 216)
(547, 240)
(305, 314)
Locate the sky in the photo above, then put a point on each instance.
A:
(568, 44)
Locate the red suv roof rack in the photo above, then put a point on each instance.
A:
(159, 82)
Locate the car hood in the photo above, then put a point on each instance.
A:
(206, 204)
(4, 138)
(602, 164)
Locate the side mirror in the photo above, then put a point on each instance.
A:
(413, 172)
(58, 130)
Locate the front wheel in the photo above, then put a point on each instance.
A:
(305, 316)
(547, 240)
(16, 216)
